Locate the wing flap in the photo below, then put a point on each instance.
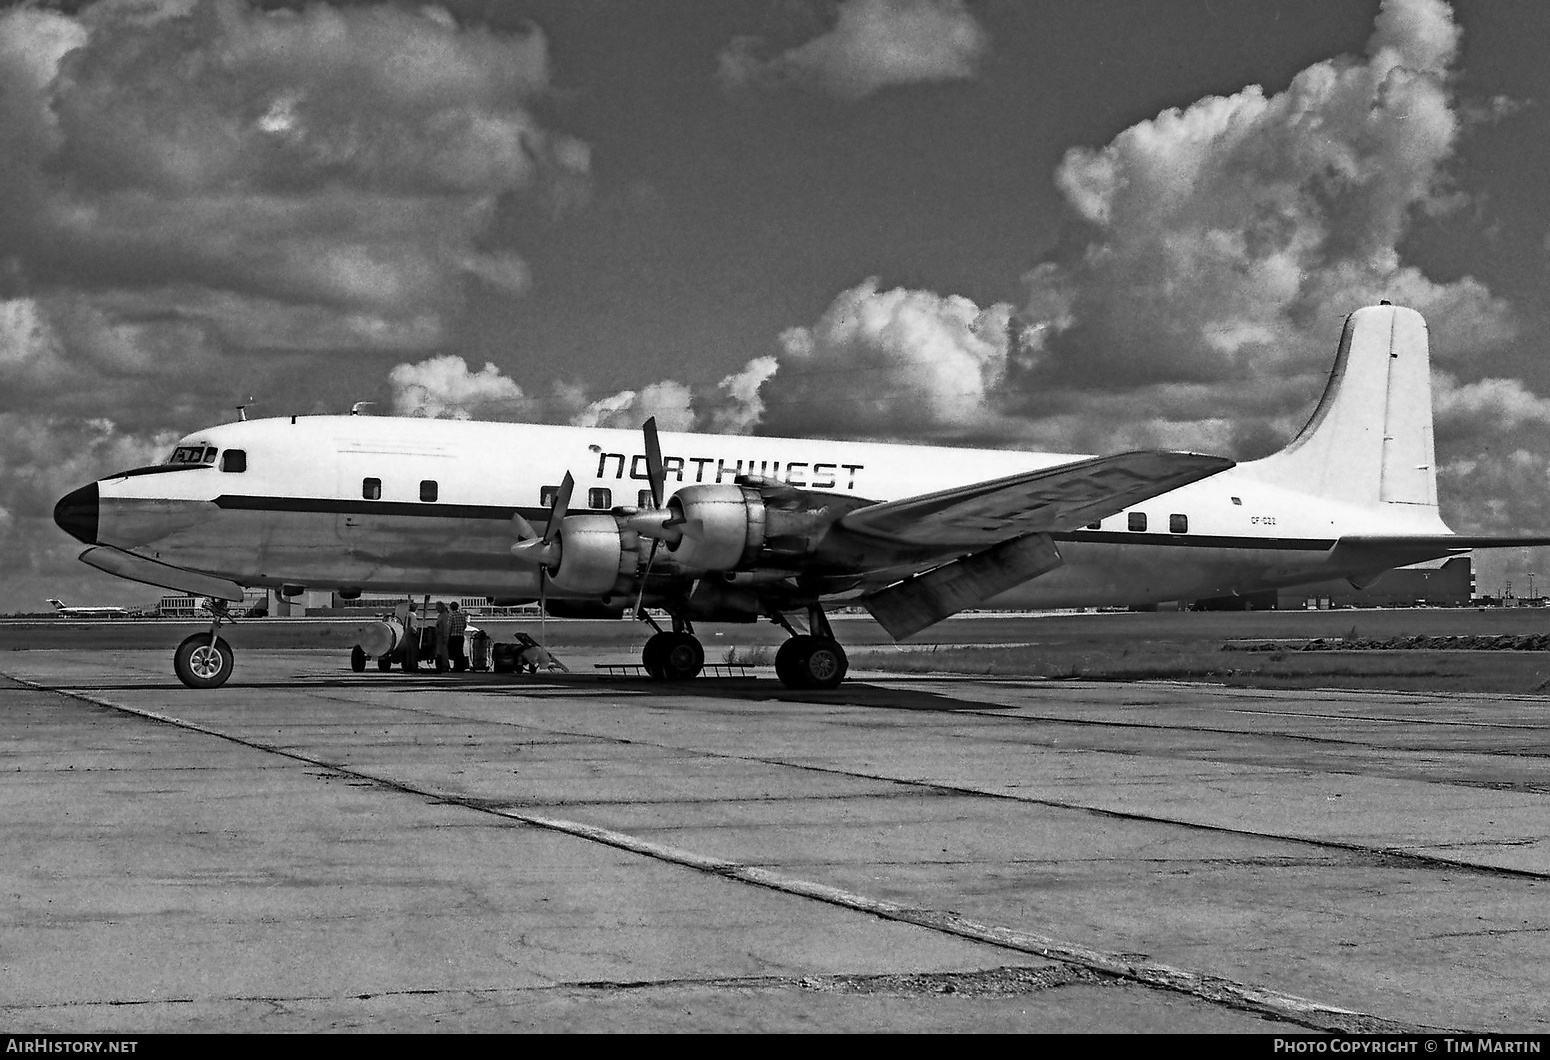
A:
(923, 600)
(1049, 500)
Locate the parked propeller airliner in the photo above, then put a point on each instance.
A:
(711, 528)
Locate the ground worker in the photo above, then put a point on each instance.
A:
(404, 612)
(455, 637)
(443, 635)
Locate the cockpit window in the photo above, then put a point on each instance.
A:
(193, 454)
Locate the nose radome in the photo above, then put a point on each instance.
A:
(76, 514)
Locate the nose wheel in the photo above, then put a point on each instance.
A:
(203, 661)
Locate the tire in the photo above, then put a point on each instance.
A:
(806, 661)
(651, 654)
(384, 663)
(200, 664)
(824, 664)
(358, 659)
(788, 666)
(681, 657)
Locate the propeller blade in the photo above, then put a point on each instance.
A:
(651, 557)
(560, 507)
(523, 528)
(655, 474)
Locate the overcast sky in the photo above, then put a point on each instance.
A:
(1075, 225)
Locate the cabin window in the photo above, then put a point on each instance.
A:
(1137, 521)
(1238, 501)
(234, 460)
(427, 489)
(600, 498)
(643, 499)
(371, 489)
(1178, 524)
(547, 495)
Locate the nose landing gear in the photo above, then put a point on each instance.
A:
(205, 660)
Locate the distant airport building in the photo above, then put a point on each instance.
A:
(255, 602)
(1449, 584)
(379, 603)
(178, 606)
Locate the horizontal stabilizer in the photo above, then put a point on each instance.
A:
(1450, 542)
(1050, 500)
(163, 575)
(924, 600)
(1375, 553)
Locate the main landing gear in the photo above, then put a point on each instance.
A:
(675, 655)
(810, 660)
(205, 660)
(806, 660)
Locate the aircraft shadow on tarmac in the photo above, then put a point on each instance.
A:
(751, 689)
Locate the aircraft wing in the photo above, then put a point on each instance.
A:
(1049, 500)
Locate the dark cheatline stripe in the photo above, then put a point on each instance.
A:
(433, 510)
(1120, 537)
(333, 506)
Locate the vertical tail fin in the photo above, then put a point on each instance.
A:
(1369, 441)
(58, 604)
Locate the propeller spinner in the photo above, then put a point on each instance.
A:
(543, 551)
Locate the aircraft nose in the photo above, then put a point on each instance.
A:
(76, 514)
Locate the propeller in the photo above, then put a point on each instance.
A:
(656, 478)
(543, 551)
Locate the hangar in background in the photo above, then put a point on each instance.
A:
(1450, 584)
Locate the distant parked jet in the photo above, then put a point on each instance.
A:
(89, 612)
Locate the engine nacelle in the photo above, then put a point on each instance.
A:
(723, 526)
(594, 555)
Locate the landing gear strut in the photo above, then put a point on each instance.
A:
(811, 660)
(205, 660)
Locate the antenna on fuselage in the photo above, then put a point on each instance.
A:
(242, 411)
(355, 409)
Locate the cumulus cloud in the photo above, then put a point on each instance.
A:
(879, 360)
(189, 180)
(873, 44)
(1225, 237)
(671, 402)
(1216, 249)
(443, 386)
(737, 406)
(198, 193)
